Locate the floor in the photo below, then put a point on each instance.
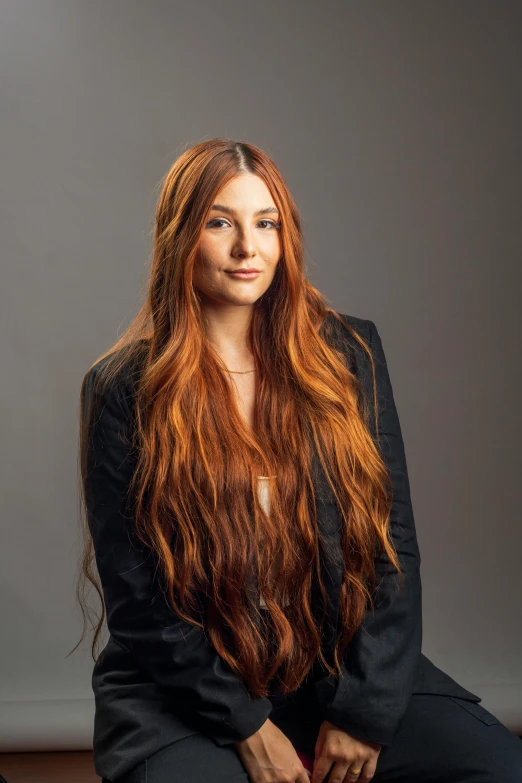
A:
(63, 767)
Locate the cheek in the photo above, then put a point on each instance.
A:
(213, 256)
(207, 259)
(274, 253)
(206, 273)
(274, 266)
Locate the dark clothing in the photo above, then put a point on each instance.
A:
(440, 739)
(159, 680)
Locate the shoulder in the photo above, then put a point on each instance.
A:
(351, 334)
(113, 379)
(363, 326)
(360, 342)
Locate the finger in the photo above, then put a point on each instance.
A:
(350, 775)
(321, 769)
(340, 773)
(368, 771)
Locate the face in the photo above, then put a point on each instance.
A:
(241, 231)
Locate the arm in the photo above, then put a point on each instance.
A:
(381, 661)
(176, 654)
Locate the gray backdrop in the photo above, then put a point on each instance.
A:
(397, 126)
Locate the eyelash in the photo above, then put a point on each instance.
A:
(271, 222)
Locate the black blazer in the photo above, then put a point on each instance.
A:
(158, 679)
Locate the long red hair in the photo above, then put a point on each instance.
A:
(194, 488)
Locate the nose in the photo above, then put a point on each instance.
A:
(245, 250)
(245, 245)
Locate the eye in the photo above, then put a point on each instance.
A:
(212, 223)
(271, 223)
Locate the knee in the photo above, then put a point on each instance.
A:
(504, 759)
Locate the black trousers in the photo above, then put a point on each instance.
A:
(441, 739)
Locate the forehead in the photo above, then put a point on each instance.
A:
(244, 194)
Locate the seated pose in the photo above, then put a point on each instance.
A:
(248, 510)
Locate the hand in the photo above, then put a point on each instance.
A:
(269, 757)
(337, 747)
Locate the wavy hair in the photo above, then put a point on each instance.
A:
(195, 502)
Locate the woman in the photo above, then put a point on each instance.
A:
(249, 511)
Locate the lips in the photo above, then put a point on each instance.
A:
(244, 274)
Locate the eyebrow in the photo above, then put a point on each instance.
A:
(230, 211)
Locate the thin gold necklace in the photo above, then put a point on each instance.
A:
(241, 372)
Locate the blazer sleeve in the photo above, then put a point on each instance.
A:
(380, 663)
(177, 655)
